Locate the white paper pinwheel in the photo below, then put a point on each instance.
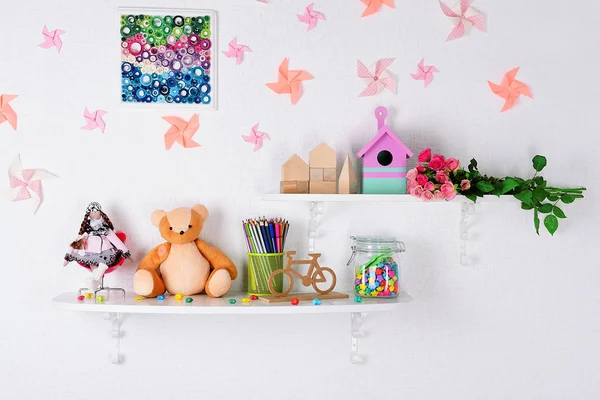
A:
(465, 14)
(380, 78)
(26, 183)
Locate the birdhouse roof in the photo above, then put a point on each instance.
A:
(385, 130)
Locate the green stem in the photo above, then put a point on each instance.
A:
(550, 188)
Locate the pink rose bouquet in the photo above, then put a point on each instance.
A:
(432, 178)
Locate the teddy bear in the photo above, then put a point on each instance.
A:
(184, 264)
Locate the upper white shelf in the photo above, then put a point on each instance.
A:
(372, 198)
(203, 304)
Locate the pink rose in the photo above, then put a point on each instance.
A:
(425, 155)
(452, 164)
(422, 179)
(412, 174)
(437, 163)
(440, 156)
(420, 169)
(438, 195)
(429, 186)
(448, 190)
(417, 191)
(441, 177)
(465, 184)
(427, 195)
(410, 185)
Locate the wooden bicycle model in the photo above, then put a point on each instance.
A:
(322, 279)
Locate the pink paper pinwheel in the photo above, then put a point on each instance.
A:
(25, 183)
(289, 81)
(256, 137)
(94, 120)
(425, 72)
(263, 1)
(467, 13)
(379, 78)
(374, 5)
(236, 50)
(52, 39)
(510, 89)
(310, 17)
(7, 114)
(181, 131)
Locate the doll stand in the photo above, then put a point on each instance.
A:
(103, 288)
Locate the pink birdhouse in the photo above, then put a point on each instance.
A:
(384, 160)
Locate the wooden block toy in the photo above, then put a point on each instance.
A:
(316, 175)
(384, 160)
(347, 183)
(329, 174)
(294, 176)
(322, 187)
(322, 169)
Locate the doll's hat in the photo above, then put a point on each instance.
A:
(94, 206)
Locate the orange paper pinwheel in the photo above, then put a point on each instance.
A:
(7, 114)
(374, 5)
(510, 89)
(181, 131)
(289, 81)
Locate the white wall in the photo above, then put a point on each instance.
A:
(520, 322)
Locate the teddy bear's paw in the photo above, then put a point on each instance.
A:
(145, 283)
(219, 283)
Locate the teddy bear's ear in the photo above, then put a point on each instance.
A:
(157, 216)
(203, 211)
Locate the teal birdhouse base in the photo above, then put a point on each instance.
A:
(384, 185)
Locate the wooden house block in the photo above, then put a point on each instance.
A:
(348, 183)
(294, 176)
(322, 187)
(329, 174)
(322, 156)
(316, 175)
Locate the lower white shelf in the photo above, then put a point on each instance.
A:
(203, 304)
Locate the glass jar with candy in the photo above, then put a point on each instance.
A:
(375, 261)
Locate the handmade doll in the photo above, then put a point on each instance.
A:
(97, 245)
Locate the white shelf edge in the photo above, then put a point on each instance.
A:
(205, 305)
(373, 198)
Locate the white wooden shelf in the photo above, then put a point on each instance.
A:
(373, 198)
(116, 306)
(205, 305)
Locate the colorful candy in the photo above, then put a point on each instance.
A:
(189, 300)
(100, 299)
(232, 301)
(377, 278)
(138, 298)
(89, 295)
(253, 297)
(80, 298)
(160, 297)
(316, 302)
(163, 61)
(295, 301)
(245, 300)
(178, 296)
(358, 299)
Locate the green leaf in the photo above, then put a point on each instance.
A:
(558, 212)
(539, 162)
(536, 221)
(540, 181)
(498, 186)
(509, 184)
(485, 186)
(525, 196)
(471, 196)
(551, 223)
(539, 194)
(552, 197)
(526, 206)
(567, 198)
(545, 208)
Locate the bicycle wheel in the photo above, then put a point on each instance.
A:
(286, 286)
(323, 277)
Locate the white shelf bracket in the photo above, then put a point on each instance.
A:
(316, 209)
(356, 320)
(115, 330)
(467, 210)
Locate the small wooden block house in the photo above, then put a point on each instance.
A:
(384, 160)
(347, 183)
(294, 176)
(323, 173)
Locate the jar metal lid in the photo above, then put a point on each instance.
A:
(377, 243)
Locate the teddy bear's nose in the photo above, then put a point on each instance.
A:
(181, 232)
